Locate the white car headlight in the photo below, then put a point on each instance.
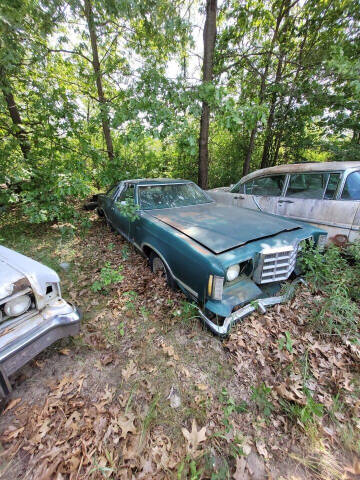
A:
(17, 306)
(232, 272)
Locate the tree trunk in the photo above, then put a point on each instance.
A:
(269, 133)
(208, 63)
(18, 131)
(98, 77)
(246, 166)
(265, 160)
(279, 134)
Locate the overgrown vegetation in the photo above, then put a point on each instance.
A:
(92, 92)
(145, 390)
(334, 277)
(108, 276)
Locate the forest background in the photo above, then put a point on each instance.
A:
(95, 91)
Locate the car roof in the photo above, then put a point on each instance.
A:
(305, 167)
(156, 181)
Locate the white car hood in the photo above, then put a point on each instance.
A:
(14, 267)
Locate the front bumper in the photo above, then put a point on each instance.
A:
(259, 304)
(20, 341)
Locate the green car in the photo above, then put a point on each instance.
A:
(229, 260)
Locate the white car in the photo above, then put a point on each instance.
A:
(33, 314)
(326, 195)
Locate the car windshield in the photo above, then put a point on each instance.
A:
(171, 195)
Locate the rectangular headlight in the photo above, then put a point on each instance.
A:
(215, 287)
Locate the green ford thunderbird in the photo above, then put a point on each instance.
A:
(229, 260)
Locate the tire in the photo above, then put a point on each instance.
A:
(90, 206)
(99, 212)
(157, 265)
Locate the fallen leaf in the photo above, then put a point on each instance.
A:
(65, 351)
(130, 370)
(260, 446)
(12, 404)
(126, 423)
(12, 432)
(202, 386)
(240, 468)
(170, 351)
(107, 359)
(195, 437)
(294, 395)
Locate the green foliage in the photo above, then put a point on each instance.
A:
(131, 302)
(229, 408)
(108, 276)
(55, 155)
(260, 395)
(188, 468)
(305, 414)
(129, 209)
(337, 279)
(187, 311)
(286, 342)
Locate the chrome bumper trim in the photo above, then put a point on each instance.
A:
(25, 340)
(260, 304)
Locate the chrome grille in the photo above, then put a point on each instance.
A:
(275, 264)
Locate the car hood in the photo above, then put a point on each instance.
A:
(220, 228)
(14, 268)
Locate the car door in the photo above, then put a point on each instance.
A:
(313, 197)
(351, 195)
(260, 193)
(117, 218)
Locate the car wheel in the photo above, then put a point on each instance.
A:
(90, 206)
(159, 268)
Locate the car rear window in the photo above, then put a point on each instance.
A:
(352, 187)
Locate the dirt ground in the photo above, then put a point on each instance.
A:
(147, 392)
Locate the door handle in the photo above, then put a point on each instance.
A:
(239, 197)
(285, 201)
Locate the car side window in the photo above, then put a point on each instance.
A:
(351, 189)
(238, 188)
(126, 194)
(306, 185)
(271, 186)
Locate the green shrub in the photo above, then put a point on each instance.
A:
(108, 276)
(334, 277)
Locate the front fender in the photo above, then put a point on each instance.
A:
(189, 263)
